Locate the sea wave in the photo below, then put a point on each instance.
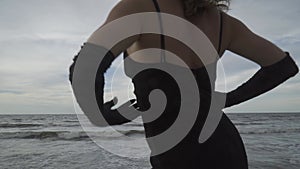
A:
(271, 131)
(81, 135)
(55, 135)
(19, 125)
(67, 135)
(247, 123)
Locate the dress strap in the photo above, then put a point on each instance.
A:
(220, 32)
(162, 37)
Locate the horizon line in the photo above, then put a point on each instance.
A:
(256, 112)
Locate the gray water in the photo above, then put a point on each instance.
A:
(58, 141)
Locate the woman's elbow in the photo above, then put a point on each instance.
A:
(295, 70)
(291, 68)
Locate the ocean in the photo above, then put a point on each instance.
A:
(272, 141)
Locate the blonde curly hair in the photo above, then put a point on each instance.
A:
(193, 7)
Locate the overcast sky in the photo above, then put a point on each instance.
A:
(39, 39)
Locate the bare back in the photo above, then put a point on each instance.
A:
(208, 23)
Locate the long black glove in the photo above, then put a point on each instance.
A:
(265, 79)
(112, 116)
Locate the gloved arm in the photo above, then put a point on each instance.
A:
(265, 79)
(112, 117)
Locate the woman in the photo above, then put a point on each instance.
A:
(224, 149)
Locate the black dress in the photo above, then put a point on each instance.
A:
(223, 150)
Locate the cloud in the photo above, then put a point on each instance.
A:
(272, 19)
(39, 40)
(11, 92)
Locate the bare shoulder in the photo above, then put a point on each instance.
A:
(233, 25)
(127, 7)
(244, 42)
(230, 19)
(124, 8)
(121, 9)
(234, 30)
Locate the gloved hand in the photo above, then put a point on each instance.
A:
(265, 79)
(112, 116)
